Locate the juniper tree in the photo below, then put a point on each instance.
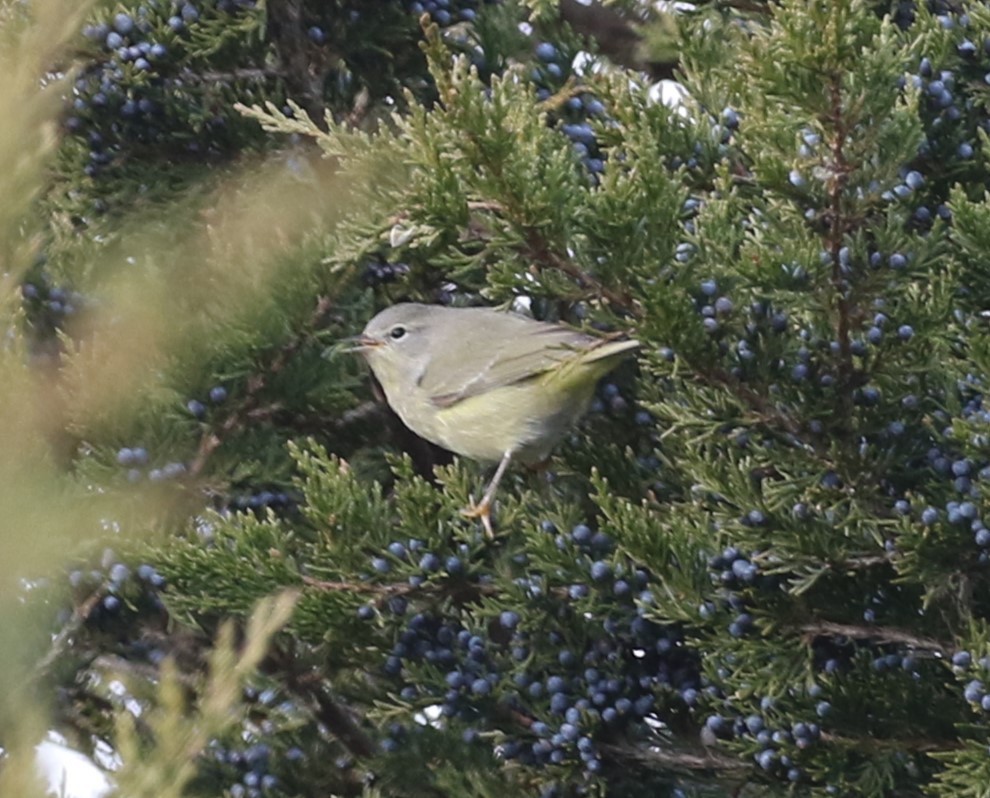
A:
(758, 567)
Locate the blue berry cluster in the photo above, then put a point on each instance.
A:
(896, 661)
(446, 12)
(943, 112)
(976, 674)
(418, 564)
(736, 575)
(955, 467)
(713, 305)
(905, 12)
(609, 399)
(953, 112)
(552, 69)
(568, 706)
(264, 758)
(632, 428)
(50, 305)
(378, 271)
(734, 570)
(246, 770)
(48, 310)
(251, 498)
(577, 114)
(135, 460)
(124, 588)
(594, 545)
(258, 501)
(761, 343)
(199, 409)
(756, 339)
(776, 746)
(568, 692)
(702, 150)
(550, 73)
(966, 513)
(136, 89)
(912, 191)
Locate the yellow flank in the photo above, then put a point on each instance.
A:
(527, 419)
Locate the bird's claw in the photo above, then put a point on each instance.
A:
(483, 511)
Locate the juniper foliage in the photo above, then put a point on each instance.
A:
(758, 567)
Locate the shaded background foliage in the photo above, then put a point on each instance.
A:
(758, 567)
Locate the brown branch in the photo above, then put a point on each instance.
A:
(66, 635)
(250, 408)
(207, 445)
(369, 416)
(143, 671)
(364, 412)
(839, 169)
(462, 592)
(706, 760)
(918, 744)
(362, 106)
(360, 587)
(712, 761)
(303, 74)
(768, 412)
(336, 718)
(751, 6)
(307, 684)
(540, 251)
(879, 634)
(863, 563)
(231, 75)
(615, 35)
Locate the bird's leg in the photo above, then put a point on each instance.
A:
(483, 509)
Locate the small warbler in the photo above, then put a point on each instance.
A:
(489, 385)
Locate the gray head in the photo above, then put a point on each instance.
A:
(397, 343)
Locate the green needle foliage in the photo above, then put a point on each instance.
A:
(758, 567)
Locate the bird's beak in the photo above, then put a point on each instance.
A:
(360, 343)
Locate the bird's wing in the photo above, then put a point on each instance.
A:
(498, 354)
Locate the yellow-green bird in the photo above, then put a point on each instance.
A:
(489, 385)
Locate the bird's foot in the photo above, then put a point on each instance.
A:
(483, 511)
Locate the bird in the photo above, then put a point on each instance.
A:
(489, 385)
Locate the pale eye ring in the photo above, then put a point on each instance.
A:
(397, 332)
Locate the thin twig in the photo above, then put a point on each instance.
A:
(232, 75)
(463, 590)
(879, 634)
(863, 563)
(360, 587)
(918, 744)
(305, 72)
(64, 639)
(768, 412)
(540, 251)
(336, 718)
(307, 684)
(707, 760)
(250, 408)
(839, 169)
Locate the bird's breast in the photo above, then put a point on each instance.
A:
(523, 418)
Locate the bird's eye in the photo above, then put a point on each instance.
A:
(397, 332)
